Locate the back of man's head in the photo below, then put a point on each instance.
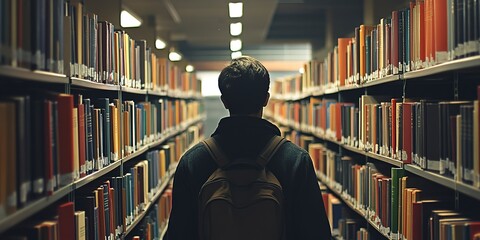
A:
(244, 85)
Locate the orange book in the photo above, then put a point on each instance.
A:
(342, 59)
(364, 31)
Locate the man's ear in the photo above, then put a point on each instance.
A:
(225, 104)
(266, 99)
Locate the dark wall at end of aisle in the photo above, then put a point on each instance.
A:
(215, 111)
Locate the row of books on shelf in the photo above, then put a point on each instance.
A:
(50, 140)
(342, 226)
(155, 223)
(425, 34)
(61, 36)
(392, 202)
(438, 136)
(111, 210)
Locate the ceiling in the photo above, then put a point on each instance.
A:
(273, 30)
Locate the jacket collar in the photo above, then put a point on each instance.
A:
(245, 124)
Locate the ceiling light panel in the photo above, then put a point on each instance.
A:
(128, 20)
(235, 29)
(235, 10)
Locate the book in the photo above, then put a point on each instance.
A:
(66, 221)
(80, 226)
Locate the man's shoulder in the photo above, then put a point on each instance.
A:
(290, 148)
(195, 152)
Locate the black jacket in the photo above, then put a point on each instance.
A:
(247, 136)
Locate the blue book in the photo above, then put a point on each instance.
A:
(106, 208)
(407, 36)
(88, 135)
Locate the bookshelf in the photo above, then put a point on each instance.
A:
(140, 118)
(312, 107)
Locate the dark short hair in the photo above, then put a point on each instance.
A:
(244, 85)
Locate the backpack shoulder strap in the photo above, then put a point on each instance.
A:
(269, 150)
(217, 154)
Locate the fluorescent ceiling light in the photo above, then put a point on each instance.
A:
(235, 29)
(189, 68)
(160, 44)
(128, 20)
(235, 45)
(236, 54)
(235, 10)
(174, 56)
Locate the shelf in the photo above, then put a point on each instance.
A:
(157, 93)
(133, 90)
(32, 208)
(458, 64)
(84, 83)
(152, 202)
(182, 95)
(89, 178)
(445, 181)
(291, 97)
(164, 231)
(351, 206)
(167, 136)
(135, 154)
(385, 159)
(387, 79)
(35, 76)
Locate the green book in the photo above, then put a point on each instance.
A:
(397, 174)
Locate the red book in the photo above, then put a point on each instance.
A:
(101, 213)
(81, 139)
(325, 202)
(48, 141)
(417, 221)
(65, 138)
(111, 204)
(384, 201)
(407, 132)
(474, 228)
(394, 127)
(66, 221)
(439, 28)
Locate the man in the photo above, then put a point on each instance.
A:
(244, 87)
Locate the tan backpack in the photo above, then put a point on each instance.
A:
(242, 199)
